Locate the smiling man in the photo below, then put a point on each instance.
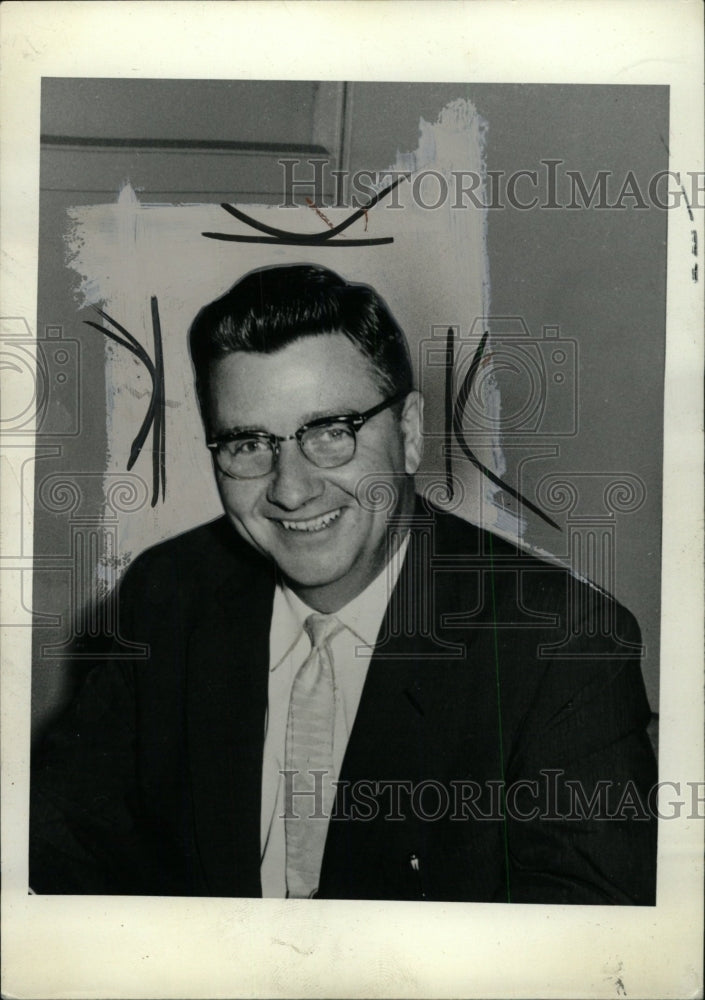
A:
(294, 496)
(346, 693)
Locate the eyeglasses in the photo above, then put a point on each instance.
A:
(327, 443)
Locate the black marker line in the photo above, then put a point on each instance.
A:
(159, 436)
(154, 418)
(458, 410)
(687, 204)
(450, 362)
(664, 144)
(297, 241)
(323, 237)
(207, 145)
(139, 352)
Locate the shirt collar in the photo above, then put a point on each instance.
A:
(363, 615)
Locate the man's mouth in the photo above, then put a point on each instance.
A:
(315, 523)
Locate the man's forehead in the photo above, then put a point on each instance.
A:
(322, 351)
(312, 376)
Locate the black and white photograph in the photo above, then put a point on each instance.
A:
(340, 533)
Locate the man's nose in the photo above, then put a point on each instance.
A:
(295, 480)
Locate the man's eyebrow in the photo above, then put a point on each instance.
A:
(331, 412)
(247, 429)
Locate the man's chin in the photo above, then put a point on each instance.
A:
(310, 577)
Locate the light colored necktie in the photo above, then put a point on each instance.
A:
(309, 751)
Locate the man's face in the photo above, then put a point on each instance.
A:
(326, 542)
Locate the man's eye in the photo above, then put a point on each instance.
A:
(248, 446)
(332, 432)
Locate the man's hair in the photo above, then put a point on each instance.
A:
(274, 306)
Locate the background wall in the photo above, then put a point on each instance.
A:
(597, 275)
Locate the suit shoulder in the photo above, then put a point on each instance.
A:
(455, 535)
(200, 560)
(549, 583)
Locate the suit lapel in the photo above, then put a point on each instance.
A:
(414, 647)
(226, 703)
(415, 699)
(416, 688)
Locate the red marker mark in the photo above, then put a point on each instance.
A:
(321, 215)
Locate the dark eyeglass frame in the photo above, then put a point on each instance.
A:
(355, 421)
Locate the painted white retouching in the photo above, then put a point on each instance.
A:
(434, 275)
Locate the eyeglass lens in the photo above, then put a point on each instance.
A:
(326, 446)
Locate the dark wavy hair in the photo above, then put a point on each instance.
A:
(274, 306)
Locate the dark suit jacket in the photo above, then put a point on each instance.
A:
(501, 724)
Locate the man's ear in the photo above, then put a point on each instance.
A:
(412, 431)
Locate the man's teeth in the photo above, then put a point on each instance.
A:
(315, 524)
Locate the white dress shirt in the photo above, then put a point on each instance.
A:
(289, 647)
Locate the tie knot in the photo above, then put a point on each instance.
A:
(320, 628)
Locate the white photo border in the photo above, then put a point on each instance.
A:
(137, 947)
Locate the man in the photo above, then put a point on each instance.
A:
(348, 693)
